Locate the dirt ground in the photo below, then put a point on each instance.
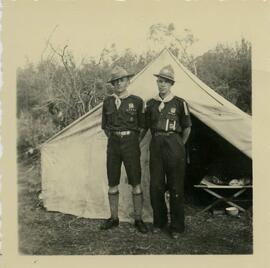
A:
(52, 233)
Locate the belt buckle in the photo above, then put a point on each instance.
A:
(163, 133)
(125, 133)
(121, 134)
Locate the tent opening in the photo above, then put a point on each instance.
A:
(212, 155)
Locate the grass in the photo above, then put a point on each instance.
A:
(51, 233)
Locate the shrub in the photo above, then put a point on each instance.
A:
(32, 132)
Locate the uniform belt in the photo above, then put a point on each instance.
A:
(163, 133)
(122, 133)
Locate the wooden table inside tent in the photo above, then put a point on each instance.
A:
(212, 190)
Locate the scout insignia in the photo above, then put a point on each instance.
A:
(172, 125)
(131, 106)
(173, 110)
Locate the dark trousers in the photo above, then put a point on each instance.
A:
(167, 171)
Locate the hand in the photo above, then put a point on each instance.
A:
(107, 133)
(186, 133)
(142, 134)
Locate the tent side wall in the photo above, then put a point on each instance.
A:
(74, 178)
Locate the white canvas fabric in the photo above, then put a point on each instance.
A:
(74, 176)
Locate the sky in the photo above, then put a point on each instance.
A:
(89, 26)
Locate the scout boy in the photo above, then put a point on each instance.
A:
(168, 118)
(122, 121)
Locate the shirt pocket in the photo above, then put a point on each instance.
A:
(154, 115)
(172, 122)
(131, 115)
(109, 115)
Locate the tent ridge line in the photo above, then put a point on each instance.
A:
(148, 65)
(99, 105)
(81, 131)
(72, 124)
(225, 100)
(193, 79)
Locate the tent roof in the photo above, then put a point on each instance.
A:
(208, 106)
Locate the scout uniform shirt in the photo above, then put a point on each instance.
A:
(129, 116)
(174, 117)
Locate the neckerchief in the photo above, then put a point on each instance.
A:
(118, 98)
(166, 99)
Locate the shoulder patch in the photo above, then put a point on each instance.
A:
(179, 99)
(150, 101)
(108, 98)
(136, 97)
(185, 108)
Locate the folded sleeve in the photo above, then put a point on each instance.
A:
(141, 114)
(185, 116)
(147, 113)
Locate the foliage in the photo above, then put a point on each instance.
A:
(56, 91)
(32, 132)
(179, 44)
(228, 71)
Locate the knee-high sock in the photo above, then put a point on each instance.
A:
(138, 205)
(114, 200)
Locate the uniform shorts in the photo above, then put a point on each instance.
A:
(124, 150)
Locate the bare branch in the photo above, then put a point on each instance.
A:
(48, 41)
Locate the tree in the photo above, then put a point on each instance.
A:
(165, 36)
(228, 71)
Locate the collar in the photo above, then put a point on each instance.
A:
(124, 95)
(166, 99)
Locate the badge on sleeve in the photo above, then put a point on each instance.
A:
(186, 109)
(144, 107)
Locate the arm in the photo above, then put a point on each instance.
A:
(142, 134)
(146, 121)
(185, 122)
(107, 133)
(104, 121)
(185, 134)
(141, 117)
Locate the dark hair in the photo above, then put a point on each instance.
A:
(167, 80)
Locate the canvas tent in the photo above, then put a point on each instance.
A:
(73, 161)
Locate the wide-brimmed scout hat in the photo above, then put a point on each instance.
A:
(166, 72)
(117, 73)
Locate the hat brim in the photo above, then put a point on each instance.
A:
(116, 78)
(164, 76)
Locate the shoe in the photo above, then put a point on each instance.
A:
(140, 226)
(109, 223)
(159, 229)
(156, 230)
(175, 235)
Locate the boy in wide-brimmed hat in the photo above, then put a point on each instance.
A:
(168, 118)
(122, 121)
